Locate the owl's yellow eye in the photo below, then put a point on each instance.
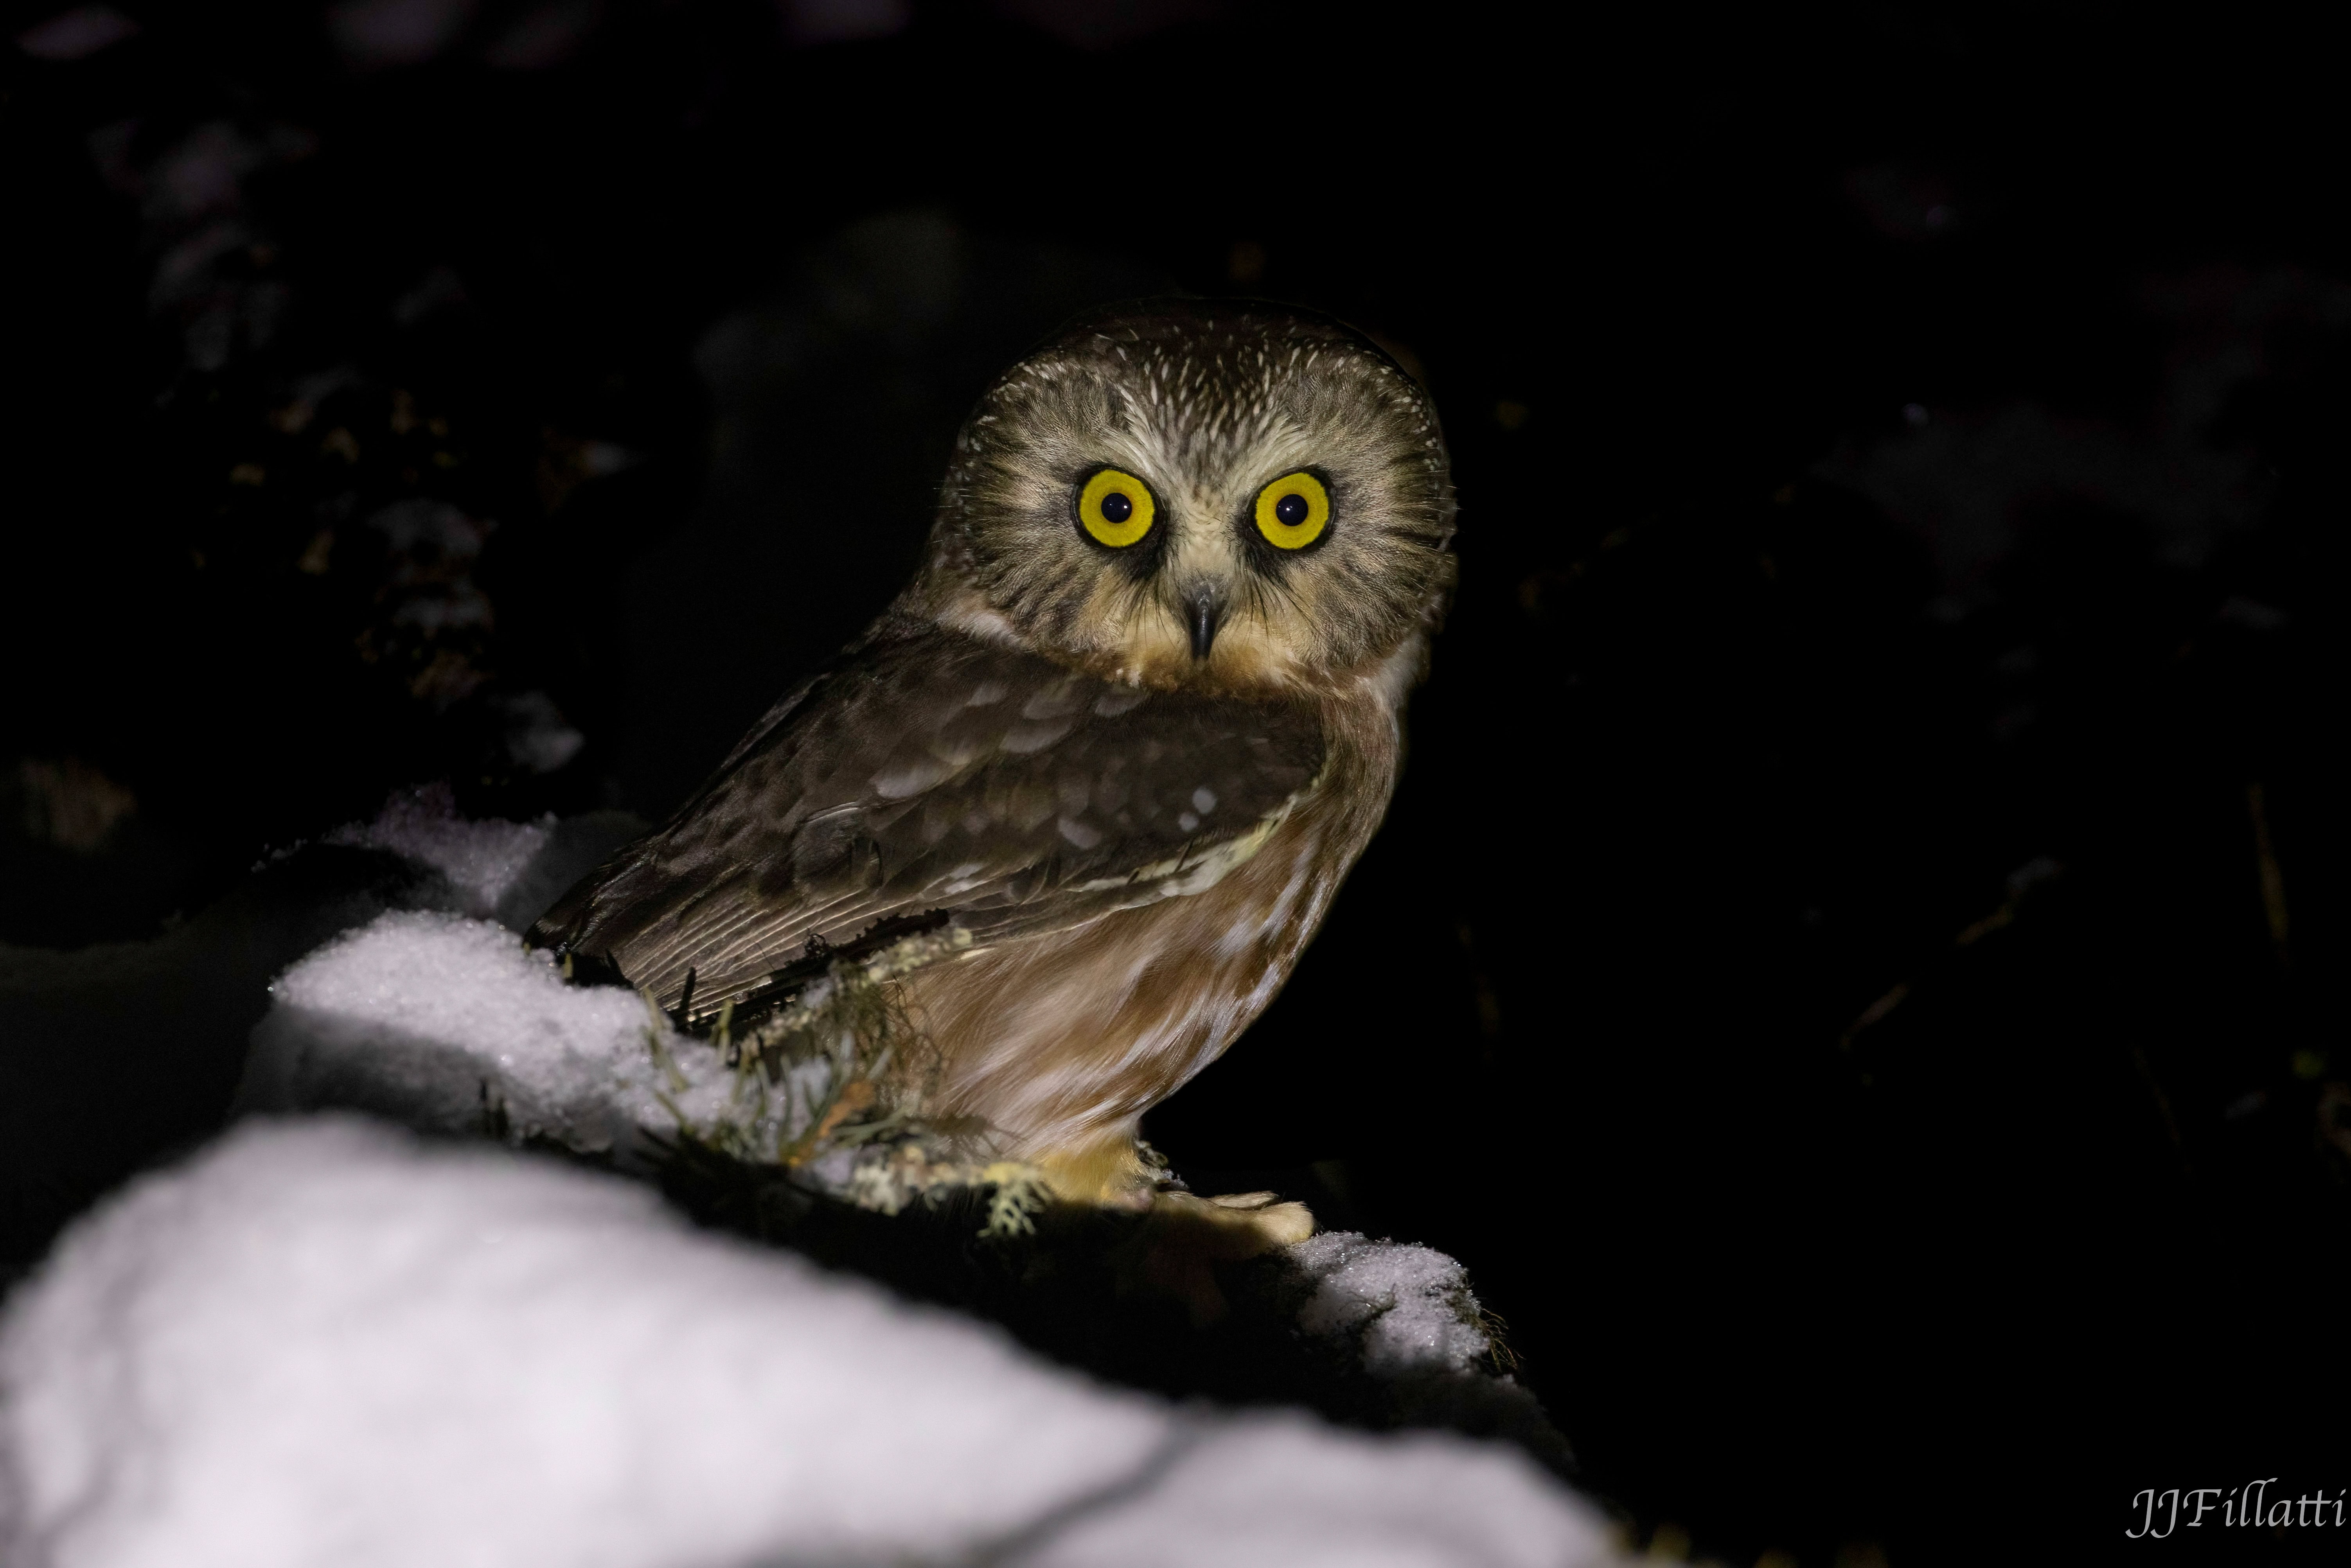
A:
(1116, 508)
(1292, 511)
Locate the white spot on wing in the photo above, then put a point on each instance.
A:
(1054, 701)
(909, 775)
(1035, 736)
(1083, 835)
(1204, 800)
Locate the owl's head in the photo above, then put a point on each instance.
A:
(1199, 493)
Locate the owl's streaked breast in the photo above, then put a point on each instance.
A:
(1069, 1038)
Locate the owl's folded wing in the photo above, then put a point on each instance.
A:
(938, 778)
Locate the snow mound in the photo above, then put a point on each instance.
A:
(1286, 1492)
(508, 872)
(177, 1012)
(450, 1025)
(323, 1342)
(1407, 1307)
(483, 861)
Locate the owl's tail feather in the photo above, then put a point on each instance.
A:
(597, 928)
(562, 929)
(593, 928)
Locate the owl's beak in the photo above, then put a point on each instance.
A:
(1203, 613)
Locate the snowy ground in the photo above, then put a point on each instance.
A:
(322, 1340)
(325, 1342)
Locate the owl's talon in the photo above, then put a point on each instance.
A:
(1244, 1223)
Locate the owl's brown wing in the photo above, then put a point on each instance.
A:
(934, 776)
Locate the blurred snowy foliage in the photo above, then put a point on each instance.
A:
(325, 1342)
(1974, 483)
(76, 34)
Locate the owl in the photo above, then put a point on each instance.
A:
(1124, 733)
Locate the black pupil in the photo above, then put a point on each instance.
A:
(1116, 507)
(1290, 510)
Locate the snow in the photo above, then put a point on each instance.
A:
(510, 871)
(1407, 1307)
(323, 1341)
(177, 1012)
(446, 1024)
(1286, 1492)
(484, 861)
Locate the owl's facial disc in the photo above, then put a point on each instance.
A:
(1117, 511)
(1178, 498)
(1201, 568)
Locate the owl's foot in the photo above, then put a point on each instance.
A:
(1183, 1237)
(1186, 1236)
(1107, 1173)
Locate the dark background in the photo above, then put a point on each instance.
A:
(1856, 966)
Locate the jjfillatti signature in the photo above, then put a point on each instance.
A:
(2246, 1507)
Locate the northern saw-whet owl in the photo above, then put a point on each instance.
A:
(1128, 727)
